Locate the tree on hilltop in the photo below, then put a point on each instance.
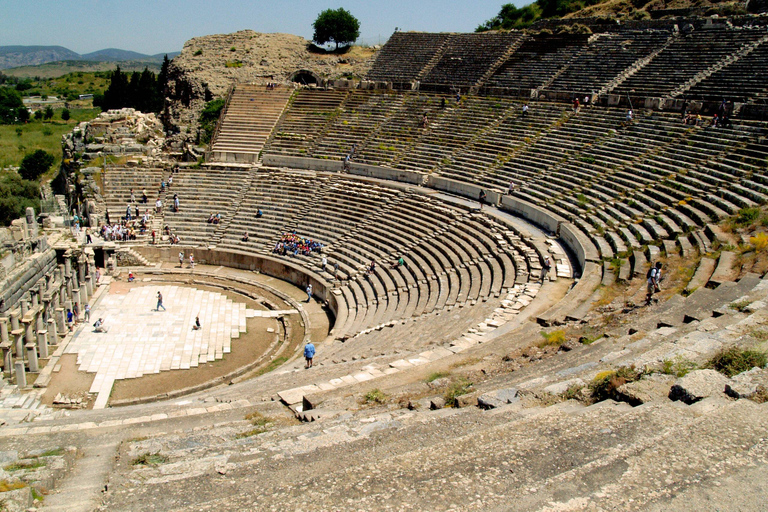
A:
(511, 17)
(337, 25)
(10, 103)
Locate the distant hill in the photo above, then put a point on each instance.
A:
(17, 56)
(13, 56)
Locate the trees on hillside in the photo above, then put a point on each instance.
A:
(35, 165)
(336, 25)
(10, 102)
(511, 17)
(140, 90)
(16, 195)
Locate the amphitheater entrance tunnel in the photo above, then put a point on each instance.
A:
(306, 77)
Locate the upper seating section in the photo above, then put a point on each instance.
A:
(405, 56)
(605, 58)
(537, 60)
(468, 57)
(745, 78)
(684, 58)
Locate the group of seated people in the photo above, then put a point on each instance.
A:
(295, 244)
(214, 218)
(172, 237)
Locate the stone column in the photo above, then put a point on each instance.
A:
(46, 313)
(18, 336)
(89, 285)
(42, 337)
(53, 332)
(61, 321)
(24, 306)
(21, 376)
(5, 346)
(83, 297)
(32, 357)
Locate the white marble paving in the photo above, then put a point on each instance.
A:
(142, 340)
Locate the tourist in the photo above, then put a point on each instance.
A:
(511, 187)
(372, 267)
(128, 213)
(442, 102)
(175, 202)
(87, 313)
(97, 275)
(336, 271)
(196, 326)
(323, 263)
(211, 218)
(258, 213)
(130, 277)
(309, 353)
(144, 199)
(158, 206)
(159, 302)
(154, 237)
(545, 269)
(576, 105)
(424, 121)
(400, 262)
(525, 110)
(653, 278)
(170, 181)
(70, 319)
(99, 326)
(88, 239)
(181, 258)
(630, 116)
(309, 292)
(217, 218)
(76, 312)
(245, 237)
(133, 197)
(137, 212)
(481, 198)
(191, 260)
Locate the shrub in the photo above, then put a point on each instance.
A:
(759, 241)
(605, 384)
(747, 216)
(455, 390)
(436, 375)
(375, 396)
(555, 338)
(198, 53)
(732, 361)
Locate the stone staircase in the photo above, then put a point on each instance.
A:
(251, 114)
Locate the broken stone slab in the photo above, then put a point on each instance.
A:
(747, 384)
(437, 403)
(698, 385)
(653, 388)
(498, 398)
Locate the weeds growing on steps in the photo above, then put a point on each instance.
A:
(732, 361)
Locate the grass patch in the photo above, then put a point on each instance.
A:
(436, 375)
(679, 366)
(554, 338)
(149, 459)
(56, 452)
(732, 361)
(740, 306)
(259, 421)
(276, 362)
(39, 135)
(24, 465)
(375, 396)
(455, 390)
(759, 334)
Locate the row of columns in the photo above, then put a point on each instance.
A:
(38, 322)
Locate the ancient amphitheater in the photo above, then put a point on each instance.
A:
(463, 377)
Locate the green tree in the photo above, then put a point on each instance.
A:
(65, 115)
(337, 25)
(38, 114)
(510, 17)
(35, 165)
(48, 114)
(10, 102)
(208, 118)
(22, 114)
(16, 195)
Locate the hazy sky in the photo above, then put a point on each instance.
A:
(157, 26)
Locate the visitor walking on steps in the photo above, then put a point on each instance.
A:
(653, 278)
(481, 198)
(87, 313)
(159, 302)
(309, 353)
(309, 292)
(191, 260)
(181, 259)
(545, 269)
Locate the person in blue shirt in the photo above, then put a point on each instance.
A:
(309, 353)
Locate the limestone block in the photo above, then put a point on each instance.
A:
(561, 387)
(437, 403)
(747, 384)
(653, 388)
(697, 385)
(498, 398)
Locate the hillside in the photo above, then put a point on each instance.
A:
(13, 56)
(208, 66)
(17, 56)
(65, 67)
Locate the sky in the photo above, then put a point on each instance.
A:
(157, 26)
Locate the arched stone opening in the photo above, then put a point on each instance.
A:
(306, 77)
